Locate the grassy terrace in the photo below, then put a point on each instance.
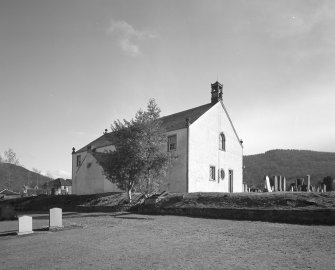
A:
(280, 200)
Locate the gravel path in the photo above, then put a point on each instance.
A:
(129, 241)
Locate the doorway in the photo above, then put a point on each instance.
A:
(231, 180)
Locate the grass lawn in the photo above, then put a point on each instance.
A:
(130, 241)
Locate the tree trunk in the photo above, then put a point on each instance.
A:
(128, 192)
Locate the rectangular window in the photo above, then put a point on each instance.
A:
(172, 142)
(212, 172)
(78, 160)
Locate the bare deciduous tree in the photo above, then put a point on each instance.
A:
(10, 157)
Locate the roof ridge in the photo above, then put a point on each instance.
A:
(187, 110)
(170, 122)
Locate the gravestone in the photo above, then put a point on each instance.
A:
(284, 183)
(324, 187)
(267, 184)
(55, 218)
(308, 182)
(25, 225)
(272, 183)
(280, 183)
(275, 183)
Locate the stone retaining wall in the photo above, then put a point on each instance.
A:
(319, 216)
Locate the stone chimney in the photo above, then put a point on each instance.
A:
(216, 92)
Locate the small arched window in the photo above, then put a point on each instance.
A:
(222, 142)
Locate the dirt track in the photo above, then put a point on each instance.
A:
(111, 241)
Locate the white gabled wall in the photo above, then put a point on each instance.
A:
(204, 151)
(88, 178)
(175, 180)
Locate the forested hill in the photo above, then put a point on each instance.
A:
(14, 177)
(290, 163)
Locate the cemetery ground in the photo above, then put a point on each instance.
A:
(124, 240)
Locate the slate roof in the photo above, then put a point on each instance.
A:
(170, 122)
(60, 182)
(178, 120)
(104, 140)
(8, 192)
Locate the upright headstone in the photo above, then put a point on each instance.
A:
(25, 225)
(276, 183)
(280, 183)
(267, 184)
(284, 183)
(299, 184)
(324, 187)
(55, 218)
(308, 182)
(272, 183)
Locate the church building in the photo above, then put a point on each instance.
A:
(208, 150)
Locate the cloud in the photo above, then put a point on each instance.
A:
(58, 174)
(127, 37)
(302, 21)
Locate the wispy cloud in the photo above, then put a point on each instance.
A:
(127, 37)
(296, 23)
(58, 174)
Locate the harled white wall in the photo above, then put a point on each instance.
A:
(204, 151)
(175, 180)
(88, 178)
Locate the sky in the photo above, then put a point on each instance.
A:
(69, 68)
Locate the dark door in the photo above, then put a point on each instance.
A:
(231, 180)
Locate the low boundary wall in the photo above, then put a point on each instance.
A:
(318, 216)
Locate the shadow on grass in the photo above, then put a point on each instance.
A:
(45, 216)
(139, 218)
(8, 233)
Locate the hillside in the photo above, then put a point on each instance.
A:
(290, 163)
(14, 177)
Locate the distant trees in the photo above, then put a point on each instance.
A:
(11, 158)
(140, 159)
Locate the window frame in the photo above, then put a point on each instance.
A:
(212, 172)
(222, 174)
(78, 160)
(222, 142)
(168, 142)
